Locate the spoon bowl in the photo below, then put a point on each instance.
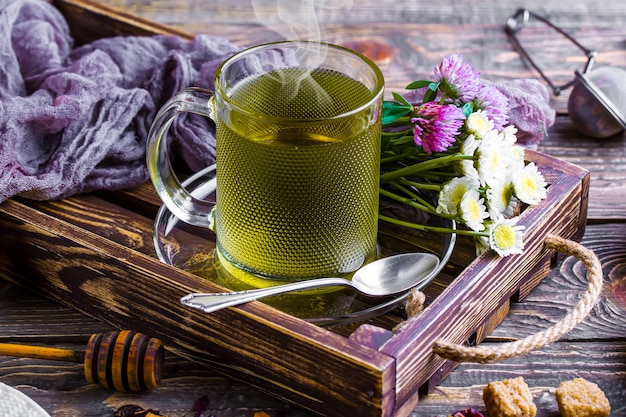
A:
(383, 277)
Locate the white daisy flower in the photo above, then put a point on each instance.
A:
(472, 210)
(493, 158)
(509, 135)
(452, 192)
(529, 185)
(505, 237)
(468, 148)
(500, 199)
(516, 160)
(478, 123)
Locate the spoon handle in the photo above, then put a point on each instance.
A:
(210, 302)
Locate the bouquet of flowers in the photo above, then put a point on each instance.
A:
(451, 135)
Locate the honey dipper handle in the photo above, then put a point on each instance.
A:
(125, 361)
(40, 352)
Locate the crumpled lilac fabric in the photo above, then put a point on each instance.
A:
(529, 109)
(74, 120)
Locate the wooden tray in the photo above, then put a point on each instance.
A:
(95, 253)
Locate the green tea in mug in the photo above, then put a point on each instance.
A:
(298, 198)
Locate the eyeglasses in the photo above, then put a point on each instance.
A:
(519, 20)
(597, 103)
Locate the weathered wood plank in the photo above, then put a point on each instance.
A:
(557, 293)
(602, 13)
(486, 284)
(588, 351)
(182, 385)
(127, 289)
(30, 318)
(90, 20)
(602, 362)
(605, 159)
(593, 350)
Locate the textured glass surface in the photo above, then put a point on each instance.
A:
(298, 198)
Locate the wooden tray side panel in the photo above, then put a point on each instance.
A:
(293, 360)
(488, 283)
(90, 20)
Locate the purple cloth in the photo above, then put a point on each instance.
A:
(74, 120)
(529, 109)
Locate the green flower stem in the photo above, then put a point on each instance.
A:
(423, 166)
(420, 185)
(401, 140)
(394, 158)
(414, 197)
(439, 177)
(399, 133)
(426, 228)
(408, 201)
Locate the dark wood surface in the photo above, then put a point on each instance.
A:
(410, 37)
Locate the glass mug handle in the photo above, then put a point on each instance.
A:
(178, 200)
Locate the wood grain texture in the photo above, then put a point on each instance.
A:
(603, 158)
(407, 39)
(73, 256)
(598, 353)
(594, 350)
(602, 13)
(123, 288)
(566, 283)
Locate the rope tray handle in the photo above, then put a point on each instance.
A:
(460, 353)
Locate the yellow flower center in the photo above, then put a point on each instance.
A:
(506, 195)
(477, 124)
(494, 161)
(504, 237)
(458, 192)
(529, 185)
(474, 210)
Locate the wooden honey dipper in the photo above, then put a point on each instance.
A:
(124, 360)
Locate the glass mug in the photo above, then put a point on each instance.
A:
(298, 129)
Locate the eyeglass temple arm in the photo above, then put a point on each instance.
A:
(518, 21)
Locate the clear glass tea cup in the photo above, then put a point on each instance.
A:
(298, 156)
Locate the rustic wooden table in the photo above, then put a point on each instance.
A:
(409, 37)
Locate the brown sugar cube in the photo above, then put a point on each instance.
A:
(509, 398)
(581, 398)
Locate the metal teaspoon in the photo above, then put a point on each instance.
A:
(385, 276)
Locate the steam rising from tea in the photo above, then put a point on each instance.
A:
(298, 20)
(299, 153)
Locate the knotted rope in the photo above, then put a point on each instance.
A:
(479, 354)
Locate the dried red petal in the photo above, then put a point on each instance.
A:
(201, 405)
(618, 291)
(470, 412)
